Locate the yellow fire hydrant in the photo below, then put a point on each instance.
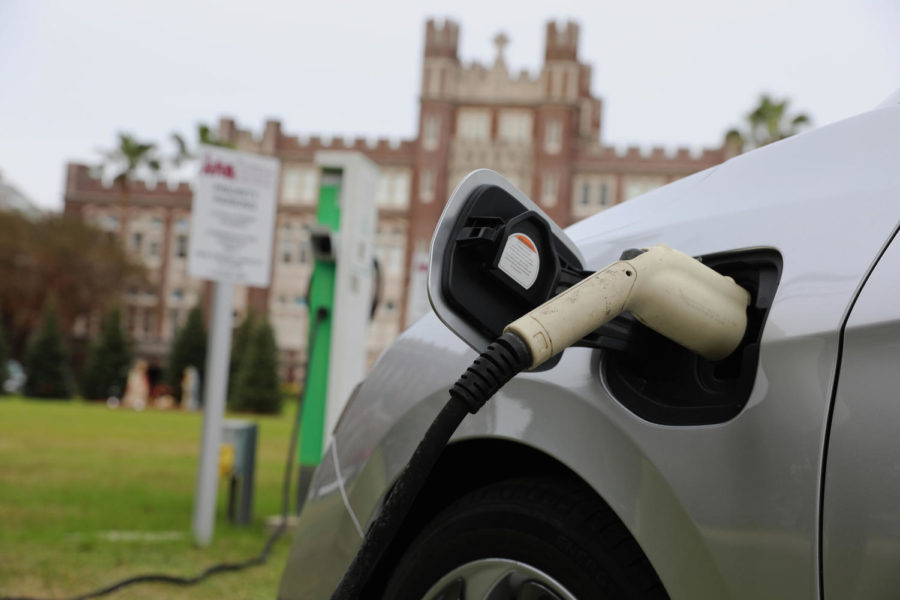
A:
(226, 460)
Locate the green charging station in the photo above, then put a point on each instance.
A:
(321, 309)
(339, 299)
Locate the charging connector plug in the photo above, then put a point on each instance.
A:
(666, 290)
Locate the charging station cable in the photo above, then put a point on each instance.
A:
(667, 290)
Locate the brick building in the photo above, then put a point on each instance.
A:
(541, 130)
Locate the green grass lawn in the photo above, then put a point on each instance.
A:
(89, 495)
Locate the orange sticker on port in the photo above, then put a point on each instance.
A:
(520, 260)
(527, 241)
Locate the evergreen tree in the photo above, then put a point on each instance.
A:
(46, 360)
(108, 360)
(239, 344)
(4, 356)
(188, 349)
(256, 389)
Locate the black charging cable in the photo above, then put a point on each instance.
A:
(377, 286)
(504, 359)
(224, 567)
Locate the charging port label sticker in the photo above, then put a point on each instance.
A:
(520, 260)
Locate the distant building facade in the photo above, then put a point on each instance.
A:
(541, 130)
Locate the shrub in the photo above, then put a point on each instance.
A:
(239, 345)
(109, 359)
(46, 360)
(257, 388)
(4, 356)
(188, 349)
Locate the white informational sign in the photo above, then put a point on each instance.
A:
(233, 216)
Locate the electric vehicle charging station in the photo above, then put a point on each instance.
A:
(339, 298)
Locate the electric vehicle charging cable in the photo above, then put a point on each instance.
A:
(223, 567)
(670, 292)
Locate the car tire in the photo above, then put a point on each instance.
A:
(530, 538)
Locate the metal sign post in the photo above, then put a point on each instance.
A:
(218, 352)
(232, 222)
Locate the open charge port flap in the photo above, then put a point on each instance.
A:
(665, 383)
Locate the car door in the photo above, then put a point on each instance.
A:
(861, 503)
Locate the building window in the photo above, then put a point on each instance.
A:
(181, 246)
(148, 320)
(434, 81)
(585, 193)
(426, 191)
(287, 254)
(548, 193)
(553, 137)
(432, 132)
(393, 190)
(638, 186)
(473, 124)
(383, 189)
(394, 262)
(137, 240)
(400, 195)
(304, 252)
(308, 193)
(298, 185)
(515, 126)
(291, 184)
(592, 193)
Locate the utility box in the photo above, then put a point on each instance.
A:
(240, 437)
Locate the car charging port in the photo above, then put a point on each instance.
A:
(665, 383)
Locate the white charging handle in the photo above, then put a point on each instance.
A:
(666, 290)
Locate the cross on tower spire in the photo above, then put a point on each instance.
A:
(500, 40)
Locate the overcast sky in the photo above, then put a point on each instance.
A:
(73, 73)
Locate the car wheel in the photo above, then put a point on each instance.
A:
(525, 540)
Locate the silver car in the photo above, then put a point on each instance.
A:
(634, 469)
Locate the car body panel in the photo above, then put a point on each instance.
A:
(894, 98)
(722, 511)
(325, 533)
(861, 519)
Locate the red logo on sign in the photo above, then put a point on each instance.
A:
(218, 168)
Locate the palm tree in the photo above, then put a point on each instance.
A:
(125, 160)
(769, 122)
(205, 135)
